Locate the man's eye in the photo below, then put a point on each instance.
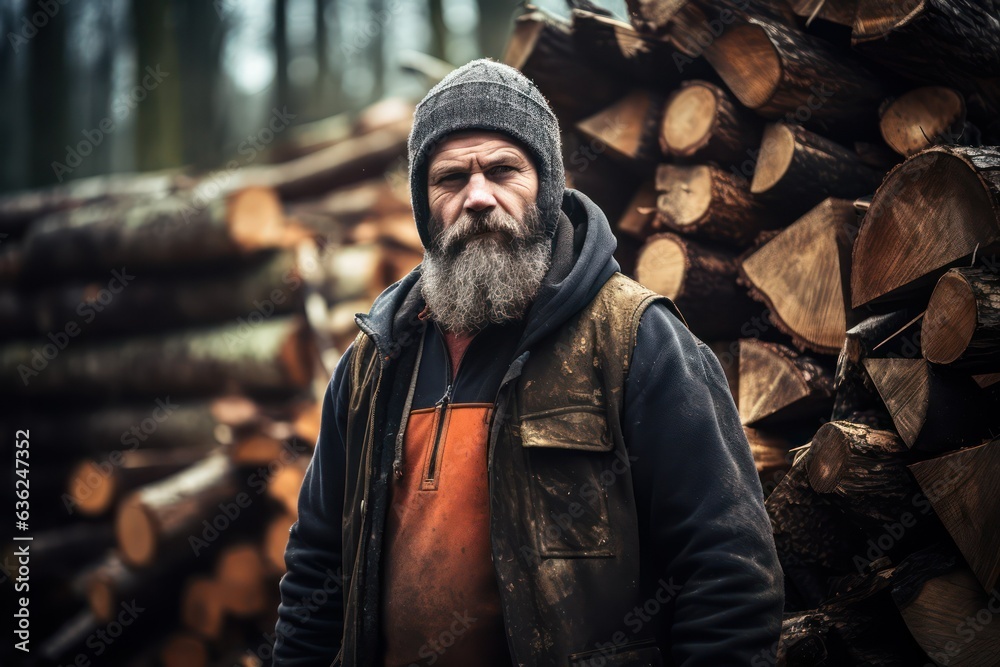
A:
(501, 169)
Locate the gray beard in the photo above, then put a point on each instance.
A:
(470, 283)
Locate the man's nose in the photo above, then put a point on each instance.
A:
(480, 194)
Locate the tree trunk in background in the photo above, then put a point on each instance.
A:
(384, 19)
(158, 116)
(280, 37)
(99, 89)
(324, 11)
(496, 20)
(47, 88)
(200, 33)
(438, 46)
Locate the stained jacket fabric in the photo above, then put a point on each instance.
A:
(713, 582)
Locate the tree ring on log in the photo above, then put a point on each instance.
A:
(690, 119)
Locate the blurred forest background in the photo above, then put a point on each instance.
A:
(143, 85)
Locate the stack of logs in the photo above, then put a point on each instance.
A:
(165, 342)
(816, 184)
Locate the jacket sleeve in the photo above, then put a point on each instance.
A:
(310, 617)
(699, 499)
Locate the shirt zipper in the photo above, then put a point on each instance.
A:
(441, 407)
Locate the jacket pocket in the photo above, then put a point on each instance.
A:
(567, 449)
(643, 654)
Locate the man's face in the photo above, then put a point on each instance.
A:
(489, 251)
(475, 174)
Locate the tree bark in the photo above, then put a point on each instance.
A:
(781, 72)
(797, 169)
(542, 47)
(267, 356)
(172, 231)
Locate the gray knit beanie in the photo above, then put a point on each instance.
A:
(487, 95)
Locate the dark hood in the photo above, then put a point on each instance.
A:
(582, 262)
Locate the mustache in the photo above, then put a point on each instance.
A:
(512, 232)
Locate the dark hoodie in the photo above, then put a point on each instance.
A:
(699, 502)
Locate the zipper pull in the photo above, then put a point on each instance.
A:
(444, 400)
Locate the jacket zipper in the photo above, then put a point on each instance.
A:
(361, 558)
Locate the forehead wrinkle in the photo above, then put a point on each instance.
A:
(503, 155)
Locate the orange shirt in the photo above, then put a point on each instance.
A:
(440, 602)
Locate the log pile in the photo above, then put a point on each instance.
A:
(816, 184)
(165, 343)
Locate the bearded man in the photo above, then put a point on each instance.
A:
(525, 457)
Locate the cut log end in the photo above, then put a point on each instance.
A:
(824, 471)
(661, 266)
(748, 63)
(776, 152)
(919, 118)
(687, 193)
(136, 532)
(91, 489)
(275, 541)
(256, 220)
(297, 355)
(776, 384)
(522, 42)
(101, 598)
(875, 19)
(934, 209)
(689, 119)
(799, 275)
(950, 321)
(201, 607)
